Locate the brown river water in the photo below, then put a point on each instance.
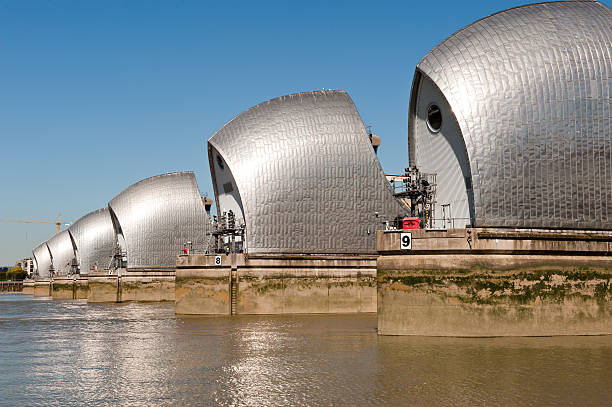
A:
(70, 353)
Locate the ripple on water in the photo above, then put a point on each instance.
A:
(73, 353)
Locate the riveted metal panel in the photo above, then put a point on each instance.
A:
(530, 88)
(94, 238)
(307, 175)
(158, 216)
(62, 252)
(42, 258)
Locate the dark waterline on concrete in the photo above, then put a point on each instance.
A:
(73, 353)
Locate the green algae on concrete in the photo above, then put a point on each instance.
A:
(490, 292)
(42, 288)
(279, 284)
(521, 286)
(139, 285)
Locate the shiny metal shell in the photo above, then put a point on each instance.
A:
(62, 252)
(157, 216)
(306, 173)
(42, 259)
(94, 239)
(530, 89)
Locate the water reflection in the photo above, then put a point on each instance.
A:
(514, 371)
(73, 353)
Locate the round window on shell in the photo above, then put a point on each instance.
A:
(434, 118)
(220, 162)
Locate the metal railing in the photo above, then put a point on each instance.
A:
(449, 223)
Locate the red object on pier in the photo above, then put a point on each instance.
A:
(411, 223)
(186, 250)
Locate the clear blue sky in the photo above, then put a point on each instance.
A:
(95, 96)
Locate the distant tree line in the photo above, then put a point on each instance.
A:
(12, 274)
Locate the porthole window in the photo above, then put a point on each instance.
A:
(220, 162)
(434, 118)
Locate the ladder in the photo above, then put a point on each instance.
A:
(233, 291)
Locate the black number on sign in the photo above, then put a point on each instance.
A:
(218, 261)
(406, 241)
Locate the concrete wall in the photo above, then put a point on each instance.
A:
(132, 285)
(68, 288)
(42, 288)
(280, 284)
(495, 283)
(102, 288)
(28, 287)
(147, 286)
(201, 290)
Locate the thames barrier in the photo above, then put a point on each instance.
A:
(500, 226)
(237, 233)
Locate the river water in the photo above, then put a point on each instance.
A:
(64, 353)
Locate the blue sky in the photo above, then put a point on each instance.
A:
(98, 95)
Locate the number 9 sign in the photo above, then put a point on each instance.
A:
(406, 241)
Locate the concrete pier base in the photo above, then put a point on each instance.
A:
(42, 288)
(495, 283)
(280, 284)
(102, 288)
(28, 287)
(146, 286)
(69, 288)
(131, 285)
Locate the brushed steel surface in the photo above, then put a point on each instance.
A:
(307, 175)
(530, 88)
(158, 216)
(95, 240)
(42, 259)
(62, 252)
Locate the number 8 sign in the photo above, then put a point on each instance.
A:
(217, 260)
(406, 241)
